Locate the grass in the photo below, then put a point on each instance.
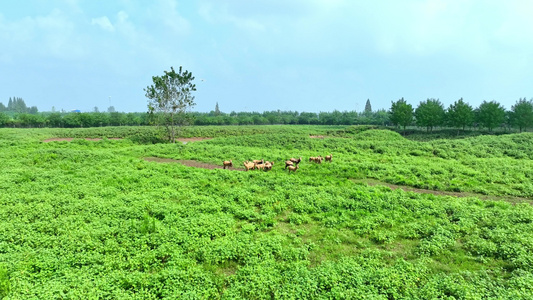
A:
(94, 218)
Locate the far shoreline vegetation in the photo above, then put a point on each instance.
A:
(459, 119)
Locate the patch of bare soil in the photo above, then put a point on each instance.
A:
(189, 163)
(512, 199)
(317, 137)
(71, 139)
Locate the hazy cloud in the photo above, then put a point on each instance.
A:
(104, 23)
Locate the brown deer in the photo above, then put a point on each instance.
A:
(227, 164)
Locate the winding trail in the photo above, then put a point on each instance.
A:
(190, 163)
(368, 181)
(511, 199)
(71, 139)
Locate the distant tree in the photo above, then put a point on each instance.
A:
(30, 120)
(460, 114)
(273, 117)
(368, 107)
(522, 114)
(72, 120)
(401, 113)
(490, 114)
(116, 119)
(33, 110)
(380, 117)
(54, 119)
(217, 110)
(100, 119)
(111, 109)
(2, 107)
(17, 104)
(429, 114)
(307, 118)
(4, 118)
(133, 119)
(169, 98)
(95, 109)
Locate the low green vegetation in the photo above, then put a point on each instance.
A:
(93, 219)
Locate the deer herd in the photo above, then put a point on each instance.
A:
(291, 164)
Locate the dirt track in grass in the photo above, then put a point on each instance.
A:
(368, 181)
(189, 163)
(512, 199)
(71, 139)
(183, 140)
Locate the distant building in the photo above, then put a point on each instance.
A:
(76, 110)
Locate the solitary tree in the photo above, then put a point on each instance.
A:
(401, 113)
(460, 114)
(522, 114)
(429, 114)
(169, 98)
(490, 114)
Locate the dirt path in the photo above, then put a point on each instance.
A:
(512, 199)
(183, 140)
(189, 163)
(71, 139)
(368, 181)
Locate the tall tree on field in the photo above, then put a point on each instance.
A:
(490, 114)
(368, 107)
(169, 98)
(401, 113)
(522, 114)
(430, 113)
(460, 114)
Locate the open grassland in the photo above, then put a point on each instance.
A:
(94, 219)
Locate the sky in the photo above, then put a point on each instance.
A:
(246, 55)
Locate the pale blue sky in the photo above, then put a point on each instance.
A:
(303, 55)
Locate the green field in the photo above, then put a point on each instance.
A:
(95, 220)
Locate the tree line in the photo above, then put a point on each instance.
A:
(429, 114)
(489, 115)
(100, 119)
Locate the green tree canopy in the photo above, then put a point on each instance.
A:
(460, 114)
(490, 114)
(522, 114)
(169, 98)
(401, 113)
(430, 113)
